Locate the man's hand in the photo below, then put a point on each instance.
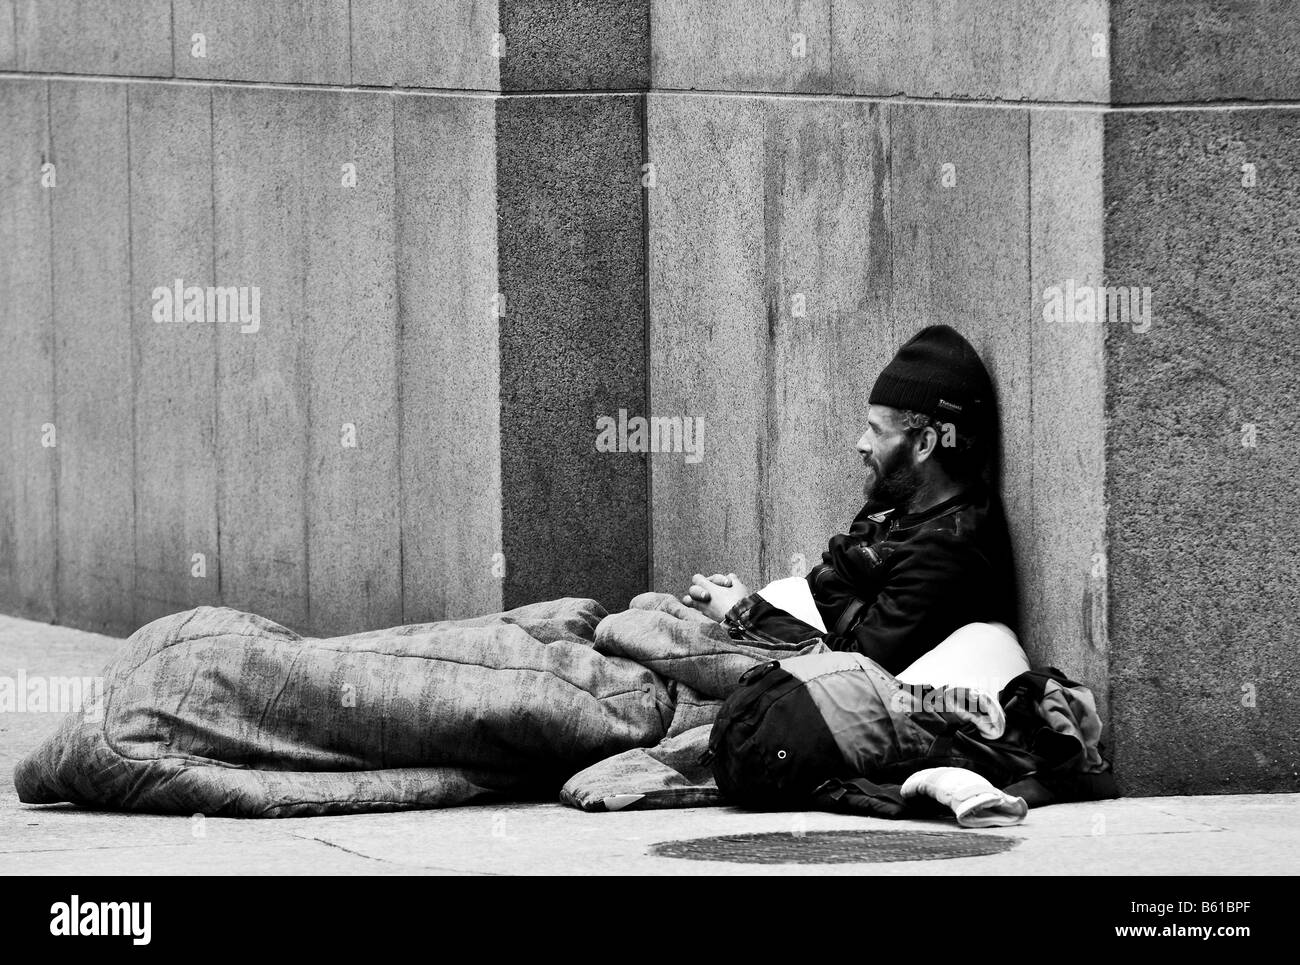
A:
(715, 595)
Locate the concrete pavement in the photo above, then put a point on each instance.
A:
(1229, 834)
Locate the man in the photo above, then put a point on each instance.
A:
(929, 551)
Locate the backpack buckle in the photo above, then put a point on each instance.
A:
(759, 671)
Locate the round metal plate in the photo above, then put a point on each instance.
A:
(836, 847)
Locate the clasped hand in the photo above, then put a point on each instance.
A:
(715, 595)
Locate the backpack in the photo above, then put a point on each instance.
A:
(835, 730)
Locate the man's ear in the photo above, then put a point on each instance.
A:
(927, 440)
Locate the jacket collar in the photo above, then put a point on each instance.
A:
(878, 514)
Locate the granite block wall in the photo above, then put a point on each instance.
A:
(467, 235)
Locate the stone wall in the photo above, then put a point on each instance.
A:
(477, 228)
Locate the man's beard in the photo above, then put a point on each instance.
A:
(897, 483)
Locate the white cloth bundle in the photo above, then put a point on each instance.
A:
(975, 802)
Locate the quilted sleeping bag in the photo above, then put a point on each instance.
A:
(220, 712)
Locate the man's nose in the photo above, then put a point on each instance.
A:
(864, 446)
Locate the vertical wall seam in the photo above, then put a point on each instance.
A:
(647, 341)
(1022, 600)
(1104, 522)
(646, 295)
(1104, 400)
(498, 319)
(771, 323)
(891, 310)
(133, 368)
(1108, 97)
(55, 595)
(171, 29)
(399, 356)
(495, 247)
(1029, 248)
(649, 47)
(216, 343)
(302, 361)
(502, 326)
(830, 42)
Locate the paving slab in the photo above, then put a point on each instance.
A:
(708, 333)
(1009, 50)
(282, 856)
(29, 471)
(735, 45)
(177, 565)
(575, 45)
(8, 26)
(431, 43)
(769, 318)
(1063, 560)
(94, 365)
(450, 400)
(292, 41)
(262, 185)
(571, 263)
(1201, 501)
(125, 37)
(352, 350)
(1228, 835)
(1203, 51)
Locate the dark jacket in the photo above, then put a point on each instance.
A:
(896, 585)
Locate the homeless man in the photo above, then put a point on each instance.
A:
(221, 712)
(929, 552)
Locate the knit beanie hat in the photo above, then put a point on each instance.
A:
(937, 373)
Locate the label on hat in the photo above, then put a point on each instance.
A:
(945, 404)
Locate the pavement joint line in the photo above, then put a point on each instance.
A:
(148, 845)
(386, 861)
(1131, 834)
(331, 844)
(1183, 817)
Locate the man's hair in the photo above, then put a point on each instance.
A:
(961, 453)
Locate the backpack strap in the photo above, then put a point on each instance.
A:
(942, 746)
(849, 617)
(860, 796)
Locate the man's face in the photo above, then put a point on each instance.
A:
(893, 476)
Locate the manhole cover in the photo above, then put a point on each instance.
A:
(836, 847)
